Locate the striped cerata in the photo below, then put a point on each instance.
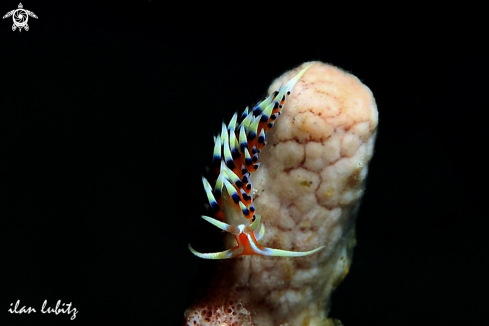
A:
(230, 192)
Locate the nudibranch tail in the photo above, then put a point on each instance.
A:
(235, 157)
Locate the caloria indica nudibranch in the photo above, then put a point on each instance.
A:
(235, 157)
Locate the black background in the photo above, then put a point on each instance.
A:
(107, 113)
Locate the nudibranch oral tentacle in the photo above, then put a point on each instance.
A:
(235, 157)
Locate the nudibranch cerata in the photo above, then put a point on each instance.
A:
(236, 152)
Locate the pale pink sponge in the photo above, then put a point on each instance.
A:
(307, 192)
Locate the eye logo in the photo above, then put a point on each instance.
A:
(20, 17)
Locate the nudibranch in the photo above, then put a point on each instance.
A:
(235, 158)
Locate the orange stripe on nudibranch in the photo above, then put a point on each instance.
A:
(235, 157)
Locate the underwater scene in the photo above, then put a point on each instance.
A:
(178, 165)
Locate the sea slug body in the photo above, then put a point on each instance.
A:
(236, 152)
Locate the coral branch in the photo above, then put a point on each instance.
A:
(308, 187)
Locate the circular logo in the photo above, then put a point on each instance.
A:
(20, 17)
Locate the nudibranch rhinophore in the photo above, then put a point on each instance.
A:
(235, 158)
(307, 191)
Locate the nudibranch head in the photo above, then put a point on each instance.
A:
(235, 157)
